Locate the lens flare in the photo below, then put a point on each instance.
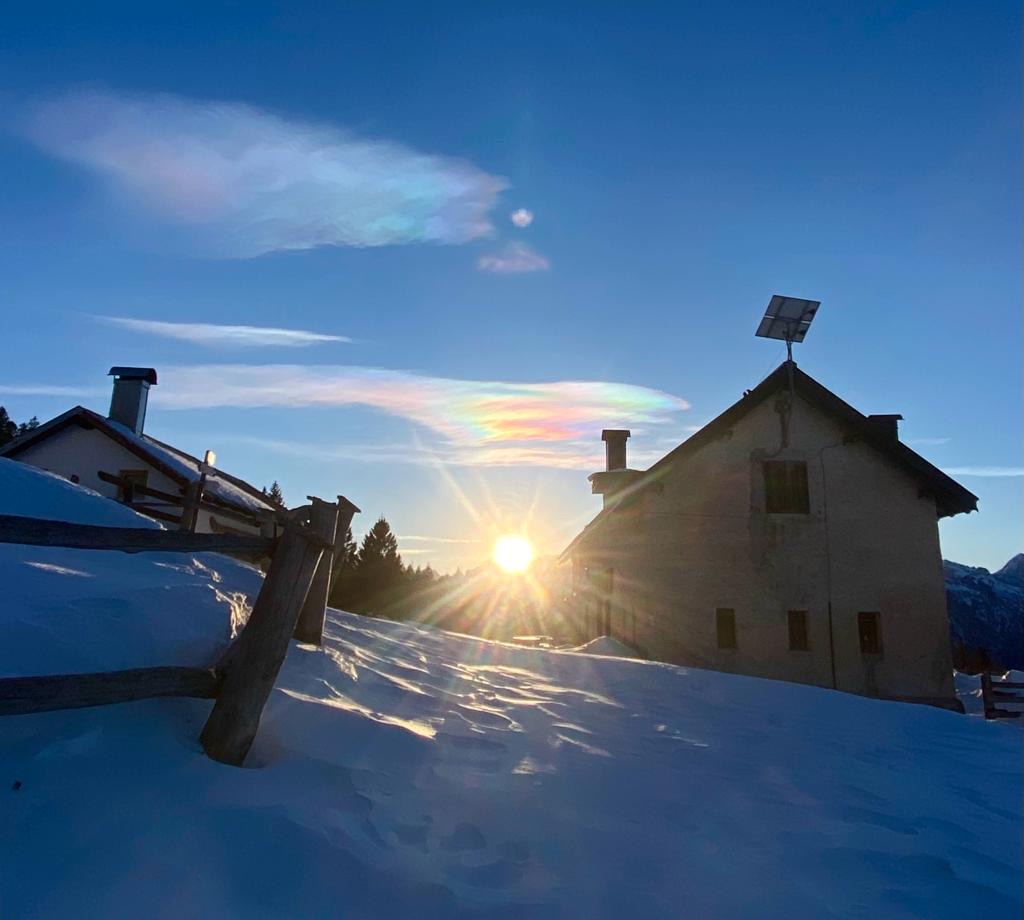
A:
(513, 554)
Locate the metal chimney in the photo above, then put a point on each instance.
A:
(131, 393)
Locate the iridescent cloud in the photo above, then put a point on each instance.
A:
(213, 335)
(247, 182)
(521, 217)
(513, 259)
(487, 422)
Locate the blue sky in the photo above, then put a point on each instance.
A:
(350, 170)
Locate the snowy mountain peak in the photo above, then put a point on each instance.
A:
(1013, 571)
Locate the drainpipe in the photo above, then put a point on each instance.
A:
(828, 561)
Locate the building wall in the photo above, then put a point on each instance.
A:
(701, 540)
(83, 452)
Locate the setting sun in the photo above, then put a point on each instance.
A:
(513, 554)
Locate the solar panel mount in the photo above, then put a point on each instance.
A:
(788, 319)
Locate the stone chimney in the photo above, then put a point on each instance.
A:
(614, 481)
(615, 448)
(131, 392)
(887, 425)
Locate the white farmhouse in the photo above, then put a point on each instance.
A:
(115, 457)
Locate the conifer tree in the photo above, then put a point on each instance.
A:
(274, 494)
(30, 425)
(8, 430)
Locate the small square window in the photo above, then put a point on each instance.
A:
(129, 480)
(799, 640)
(869, 629)
(785, 487)
(725, 627)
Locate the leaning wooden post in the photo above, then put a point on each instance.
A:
(323, 521)
(257, 655)
(346, 510)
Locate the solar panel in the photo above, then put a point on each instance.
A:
(787, 318)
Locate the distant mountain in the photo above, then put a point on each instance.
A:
(986, 611)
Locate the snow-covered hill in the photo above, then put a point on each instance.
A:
(405, 772)
(986, 609)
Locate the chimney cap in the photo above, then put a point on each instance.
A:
(615, 434)
(134, 373)
(891, 417)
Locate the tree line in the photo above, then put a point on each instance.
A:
(372, 578)
(9, 429)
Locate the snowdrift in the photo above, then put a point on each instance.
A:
(404, 772)
(68, 611)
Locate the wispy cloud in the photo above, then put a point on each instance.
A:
(489, 423)
(247, 182)
(986, 471)
(515, 258)
(44, 389)
(927, 442)
(213, 335)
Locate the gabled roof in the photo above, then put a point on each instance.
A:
(950, 497)
(177, 465)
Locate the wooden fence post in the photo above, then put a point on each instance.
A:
(346, 510)
(190, 505)
(323, 521)
(258, 653)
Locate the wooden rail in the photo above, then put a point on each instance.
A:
(242, 680)
(996, 690)
(35, 532)
(21, 695)
(183, 502)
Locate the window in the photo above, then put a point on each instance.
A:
(798, 638)
(603, 579)
(130, 479)
(785, 487)
(725, 625)
(869, 628)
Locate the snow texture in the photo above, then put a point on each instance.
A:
(405, 772)
(71, 611)
(607, 645)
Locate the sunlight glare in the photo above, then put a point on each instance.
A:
(513, 554)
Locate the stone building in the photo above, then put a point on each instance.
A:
(790, 538)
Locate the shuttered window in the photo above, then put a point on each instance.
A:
(798, 637)
(785, 487)
(725, 627)
(869, 629)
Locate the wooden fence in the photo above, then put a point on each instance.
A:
(182, 509)
(291, 602)
(998, 690)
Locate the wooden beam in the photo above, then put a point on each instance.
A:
(21, 695)
(139, 488)
(35, 532)
(253, 661)
(323, 521)
(346, 510)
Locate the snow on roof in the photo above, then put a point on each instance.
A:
(222, 485)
